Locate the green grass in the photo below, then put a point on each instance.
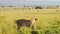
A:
(48, 21)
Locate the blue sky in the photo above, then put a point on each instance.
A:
(28, 2)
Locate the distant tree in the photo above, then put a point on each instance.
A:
(38, 7)
(10, 6)
(23, 5)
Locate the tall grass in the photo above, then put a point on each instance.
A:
(48, 22)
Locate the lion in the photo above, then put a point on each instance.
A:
(24, 22)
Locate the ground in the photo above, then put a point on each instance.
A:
(47, 20)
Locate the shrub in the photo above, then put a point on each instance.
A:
(24, 30)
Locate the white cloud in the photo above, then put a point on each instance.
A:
(42, 0)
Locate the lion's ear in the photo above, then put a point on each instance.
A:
(35, 19)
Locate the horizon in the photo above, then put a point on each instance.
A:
(29, 2)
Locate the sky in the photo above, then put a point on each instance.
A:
(29, 2)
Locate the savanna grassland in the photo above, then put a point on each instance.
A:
(48, 20)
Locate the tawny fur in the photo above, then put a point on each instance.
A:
(27, 23)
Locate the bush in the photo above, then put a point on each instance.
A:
(38, 32)
(24, 30)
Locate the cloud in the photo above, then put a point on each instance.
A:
(42, 0)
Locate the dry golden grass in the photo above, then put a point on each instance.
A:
(46, 18)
